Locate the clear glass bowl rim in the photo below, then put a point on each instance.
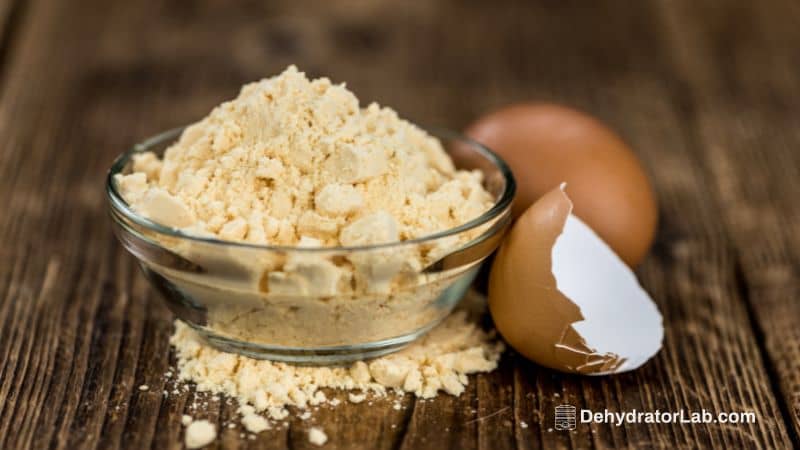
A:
(498, 208)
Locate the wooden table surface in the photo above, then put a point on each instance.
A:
(707, 92)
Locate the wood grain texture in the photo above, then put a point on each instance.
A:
(745, 118)
(706, 92)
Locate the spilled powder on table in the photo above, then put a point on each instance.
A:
(438, 362)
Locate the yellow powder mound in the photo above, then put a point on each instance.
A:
(292, 158)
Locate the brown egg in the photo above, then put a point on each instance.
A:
(562, 298)
(547, 144)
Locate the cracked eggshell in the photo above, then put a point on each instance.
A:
(561, 297)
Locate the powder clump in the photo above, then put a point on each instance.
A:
(317, 436)
(200, 433)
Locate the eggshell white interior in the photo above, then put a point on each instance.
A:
(620, 317)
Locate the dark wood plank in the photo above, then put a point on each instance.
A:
(740, 65)
(12, 14)
(80, 330)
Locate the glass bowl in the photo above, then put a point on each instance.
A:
(262, 301)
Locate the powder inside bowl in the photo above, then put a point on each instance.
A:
(296, 162)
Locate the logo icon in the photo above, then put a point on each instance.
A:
(566, 417)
